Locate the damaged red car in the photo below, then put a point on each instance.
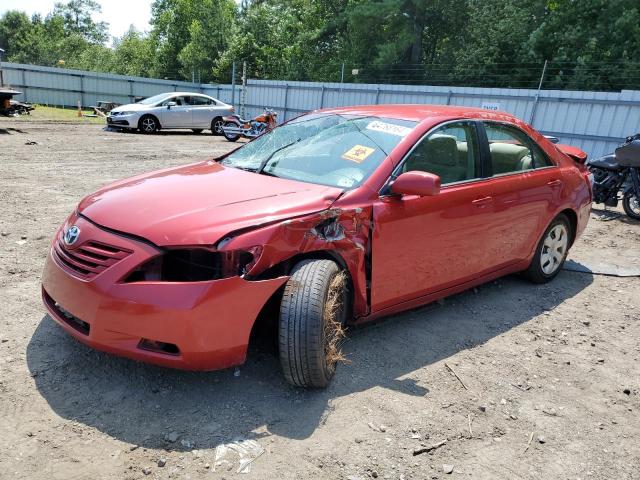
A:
(339, 216)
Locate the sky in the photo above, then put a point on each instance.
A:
(119, 14)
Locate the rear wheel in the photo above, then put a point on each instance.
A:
(216, 126)
(148, 124)
(313, 311)
(551, 251)
(229, 136)
(631, 205)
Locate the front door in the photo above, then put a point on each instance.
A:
(425, 244)
(178, 115)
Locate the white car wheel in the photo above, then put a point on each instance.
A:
(554, 249)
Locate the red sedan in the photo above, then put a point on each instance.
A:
(339, 216)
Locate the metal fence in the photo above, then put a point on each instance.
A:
(593, 121)
(66, 87)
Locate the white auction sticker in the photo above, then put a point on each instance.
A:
(389, 128)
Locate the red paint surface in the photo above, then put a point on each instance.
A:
(400, 252)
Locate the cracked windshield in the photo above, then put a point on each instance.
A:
(335, 150)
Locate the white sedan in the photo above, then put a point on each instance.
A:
(172, 110)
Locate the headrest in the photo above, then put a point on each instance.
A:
(442, 150)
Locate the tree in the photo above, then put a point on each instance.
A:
(78, 21)
(189, 35)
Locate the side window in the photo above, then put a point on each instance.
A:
(451, 152)
(179, 101)
(512, 150)
(200, 101)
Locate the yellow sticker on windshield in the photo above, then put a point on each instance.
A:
(358, 153)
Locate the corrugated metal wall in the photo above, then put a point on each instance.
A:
(593, 121)
(65, 87)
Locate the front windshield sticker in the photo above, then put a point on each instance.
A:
(358, 153)
(389, 128)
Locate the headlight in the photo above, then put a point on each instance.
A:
(126, 113)
(195, 265)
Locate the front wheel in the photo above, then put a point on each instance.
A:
(313, 311)
(148, 124)
(631, 205)
(551, 251)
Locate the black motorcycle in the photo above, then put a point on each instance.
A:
(619, 172)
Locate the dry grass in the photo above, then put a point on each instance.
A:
(57, 114)
(333, 328)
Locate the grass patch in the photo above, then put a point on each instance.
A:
(333, 330)
(59, 114)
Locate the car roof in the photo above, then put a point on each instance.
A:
(420, 112)
(176, 94)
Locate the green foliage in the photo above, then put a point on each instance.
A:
(590, 44)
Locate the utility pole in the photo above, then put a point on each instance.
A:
(1, 72)
(537, 97)
(233, 84)
(544, 70)
(243, 98)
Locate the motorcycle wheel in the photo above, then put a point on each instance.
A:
(631, 205)
(230, 137)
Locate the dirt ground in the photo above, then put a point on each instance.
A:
(552, 372)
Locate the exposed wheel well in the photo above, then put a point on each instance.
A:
(573, 222)
(265, 327)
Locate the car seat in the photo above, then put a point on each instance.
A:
(438, 154)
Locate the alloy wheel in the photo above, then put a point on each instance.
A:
(217, 127)
(554, 249)
(149, 125)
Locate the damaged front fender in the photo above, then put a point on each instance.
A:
(342, 232)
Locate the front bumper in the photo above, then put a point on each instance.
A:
(123, 121)
(209, 322)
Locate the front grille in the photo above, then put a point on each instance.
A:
(70, 319)
(89, 259)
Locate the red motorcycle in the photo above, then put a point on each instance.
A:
(235, 126)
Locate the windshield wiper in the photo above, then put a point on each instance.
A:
(264, 163)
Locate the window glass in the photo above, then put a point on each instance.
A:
(512, 150)
(200, 101)
(327, 149)
(179, 101)
(451, 152)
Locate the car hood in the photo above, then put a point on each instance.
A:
(201, 203)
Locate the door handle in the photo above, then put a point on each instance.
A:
(554, 183)
(478, 202)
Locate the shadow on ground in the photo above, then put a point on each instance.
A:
(140, 404)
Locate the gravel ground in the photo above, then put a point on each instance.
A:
(551, 372)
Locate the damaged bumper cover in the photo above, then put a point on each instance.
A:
(188, 325)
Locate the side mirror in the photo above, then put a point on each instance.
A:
(171, 104)
(416, 183)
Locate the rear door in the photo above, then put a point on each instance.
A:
(204, 110)
(526, 188)
(425, 244)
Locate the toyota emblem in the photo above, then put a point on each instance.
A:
(71, 235)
